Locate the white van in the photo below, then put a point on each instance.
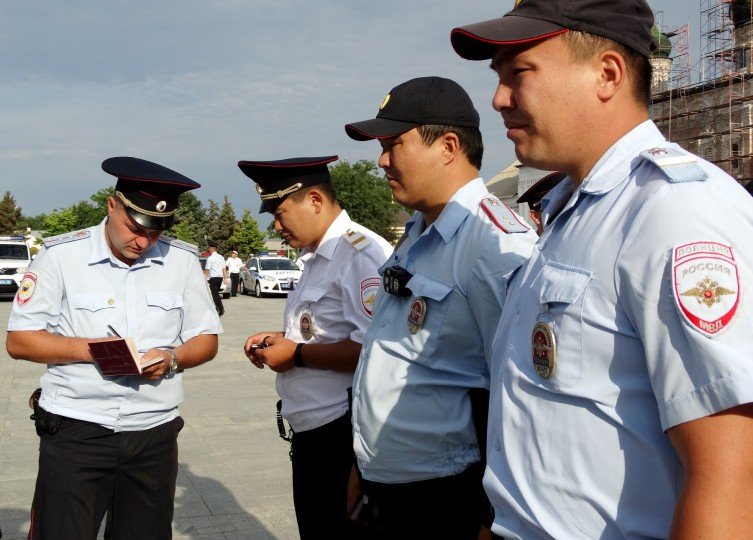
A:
(14, 262)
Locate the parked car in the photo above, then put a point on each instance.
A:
(268, 275)
(225, 287)
(14, 261)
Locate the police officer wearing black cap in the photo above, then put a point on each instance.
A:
(109, 443)
(419, 393)
(534, 194)
(622, 402)
(324, 323)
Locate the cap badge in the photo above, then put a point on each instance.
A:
(161, 206)
(417, 315)
(544, 350)
(385, 101)
(307, 325)
(517, 2)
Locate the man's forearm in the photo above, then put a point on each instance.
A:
(197, 350)
(45, 348)
(340, 356)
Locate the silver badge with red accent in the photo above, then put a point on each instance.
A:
(417, 315)
(307, 325)
(706, 285)
(544, 349)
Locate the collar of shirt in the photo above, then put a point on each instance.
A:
(463, 202)
(101, 250)
(328, 243)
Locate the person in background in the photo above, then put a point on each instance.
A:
(109, 443)
(421, 388)
(621, 368)
(233, 265)
(326, 316)
(533, 197)
(216, 272)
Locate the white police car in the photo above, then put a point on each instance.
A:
(14, 262)
(267, 275)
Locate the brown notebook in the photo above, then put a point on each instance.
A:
(119, 357)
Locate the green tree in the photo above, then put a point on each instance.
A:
(190, 220)
(220, 225)
(60, 221)
(247, 238)
(10, 215)
(33, 222)
(366, 197)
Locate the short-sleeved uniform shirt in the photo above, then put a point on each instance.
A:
(75, 287)
(215, 264)
(642, 276)
(234, 264)
(332, 302)
(423, 353)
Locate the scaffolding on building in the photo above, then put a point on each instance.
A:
(714, 116)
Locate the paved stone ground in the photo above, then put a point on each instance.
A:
(234, 477)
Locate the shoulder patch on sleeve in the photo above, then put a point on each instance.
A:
(67, 237)
(706, 284)
(677, 165)
(502, 216)
(356, 239)
(180, 244)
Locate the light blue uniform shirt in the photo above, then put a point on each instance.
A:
(411, 412)
(80, 288)
(621, 270)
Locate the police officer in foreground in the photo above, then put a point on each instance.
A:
(533, 197)
(420, 391)
(622, 369)
(325, 320)
(110, 442)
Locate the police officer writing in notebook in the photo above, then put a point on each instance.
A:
(111, 442)
(419, 401)
(622, 376)
(325, 320)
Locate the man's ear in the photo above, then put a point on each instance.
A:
(451, 147)
(111, 204)
(316, 199)
(612, 74)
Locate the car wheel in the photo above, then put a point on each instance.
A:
(257, 290)
(242, 288)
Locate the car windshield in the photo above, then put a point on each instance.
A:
(277, 264)
(14, 251)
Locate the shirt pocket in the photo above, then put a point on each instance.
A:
(163, 315)
(436, 295)
(562, 290)
(92, 310)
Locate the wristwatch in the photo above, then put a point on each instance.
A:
(173, 361)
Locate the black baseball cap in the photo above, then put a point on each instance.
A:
(418, 102)
(628, 22)
(277, 179)
(536, 192)
(148, 191)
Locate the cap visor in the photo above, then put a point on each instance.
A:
(151, 222)
(479, 41)
(378, 128)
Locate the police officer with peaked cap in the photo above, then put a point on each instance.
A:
(420, 390)
(533, 197)
(621, 370)
(325, 319)
(109, 443)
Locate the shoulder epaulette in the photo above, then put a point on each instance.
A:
(356, 239)
(179, 244)
(502, 216)
(677, 166)
(67, 237)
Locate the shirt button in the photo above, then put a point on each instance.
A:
(497, 445)
(517, 309)
(498, 510)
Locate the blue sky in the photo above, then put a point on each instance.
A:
(198, 86)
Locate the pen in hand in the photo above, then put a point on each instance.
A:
(113, 331)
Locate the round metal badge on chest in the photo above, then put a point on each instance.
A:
(307, 325)
(544, 347)
(416, 315)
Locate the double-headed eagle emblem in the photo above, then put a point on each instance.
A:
(707, 292)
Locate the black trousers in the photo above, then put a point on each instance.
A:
(447, 507)
(234, 279)
(86, 470)
(322, 460)
(214, 285)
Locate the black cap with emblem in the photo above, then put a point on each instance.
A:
(148, 191)
(536, 192)
(277, 179)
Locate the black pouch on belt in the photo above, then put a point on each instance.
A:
(44, 422)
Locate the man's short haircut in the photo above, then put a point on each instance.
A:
(470, 139)
(584, 46)
(326, 188)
